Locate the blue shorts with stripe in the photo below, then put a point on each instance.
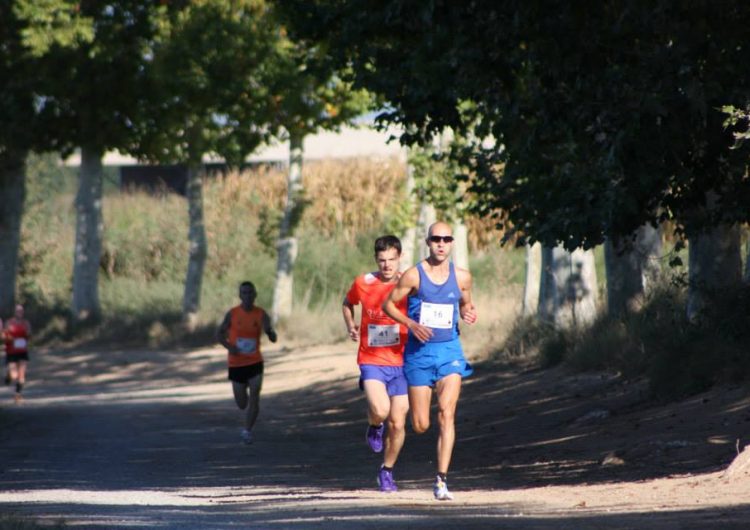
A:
(426, 364)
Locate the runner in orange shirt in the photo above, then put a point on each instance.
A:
(240, 334)
(380, 356)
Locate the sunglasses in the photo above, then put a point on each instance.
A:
(438, 239)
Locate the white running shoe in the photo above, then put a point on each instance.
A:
(246, 436)
(440, 490)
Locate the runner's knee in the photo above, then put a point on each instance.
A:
(396, 424)
(379, 412)
(420, 425)
(446, 416)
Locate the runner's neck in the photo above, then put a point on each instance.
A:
(437, 272)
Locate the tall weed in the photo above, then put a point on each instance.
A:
(677, 356)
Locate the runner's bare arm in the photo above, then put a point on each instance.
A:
(268, 328)
(466, 307)
(347, 309)
(221, 334)
(407, 284)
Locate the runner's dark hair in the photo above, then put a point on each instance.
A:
(385, 242)
(248, 283)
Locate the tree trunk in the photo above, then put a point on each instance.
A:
(283, 293)
(409, 238)
(427, 217)
(12, 195)
(568, 292)
(198, 252)
(631, 269)
(88, 245)
(533, 281)
(461, 245)
(714, 264)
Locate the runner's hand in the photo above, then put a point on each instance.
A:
(422, 333)
(354, 333)
(468, 313)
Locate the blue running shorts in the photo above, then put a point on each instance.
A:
(426, 364)
(391, 376)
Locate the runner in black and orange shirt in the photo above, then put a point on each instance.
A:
(380, 356)
(17, 332)
(240, 334)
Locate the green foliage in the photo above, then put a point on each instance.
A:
(90, 78)
(210, 82)
(738, 122)
(435, 182)
(582, 122)
(53, 23)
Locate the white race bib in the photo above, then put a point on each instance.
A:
(438, 316)
(246, 345)
(19, 344)
(383, 335)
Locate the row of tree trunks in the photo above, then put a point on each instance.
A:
(409, 238)
(197, 247)
(561, 286)
(12, 195)
(714, 265)
(533, 280)
(88, 205)
(632, 268)
(568, 294)
(286, 246)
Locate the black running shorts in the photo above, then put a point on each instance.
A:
(241, 374)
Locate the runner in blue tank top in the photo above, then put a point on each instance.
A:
(439, 294)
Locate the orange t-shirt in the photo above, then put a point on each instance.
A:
(245, 328)
(381, 339)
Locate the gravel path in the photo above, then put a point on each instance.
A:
(144, 439)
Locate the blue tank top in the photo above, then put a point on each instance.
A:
(436, 306)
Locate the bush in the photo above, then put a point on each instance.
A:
(678, 357)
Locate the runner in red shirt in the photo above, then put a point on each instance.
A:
(240, 334)
(380, 356)
(17, 333)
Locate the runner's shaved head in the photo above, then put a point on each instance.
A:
(439, 226)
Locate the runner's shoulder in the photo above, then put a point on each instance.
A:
(410, 276)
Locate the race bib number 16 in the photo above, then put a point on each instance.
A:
(438, 316)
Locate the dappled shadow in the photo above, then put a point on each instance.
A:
(295, 514)
(133, 429)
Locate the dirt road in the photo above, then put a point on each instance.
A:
(140, 439)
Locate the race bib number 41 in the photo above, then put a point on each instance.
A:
(438, 316)
(245, 345)
(382, 335)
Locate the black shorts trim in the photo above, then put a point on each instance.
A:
(15, 357)
(240, 374)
